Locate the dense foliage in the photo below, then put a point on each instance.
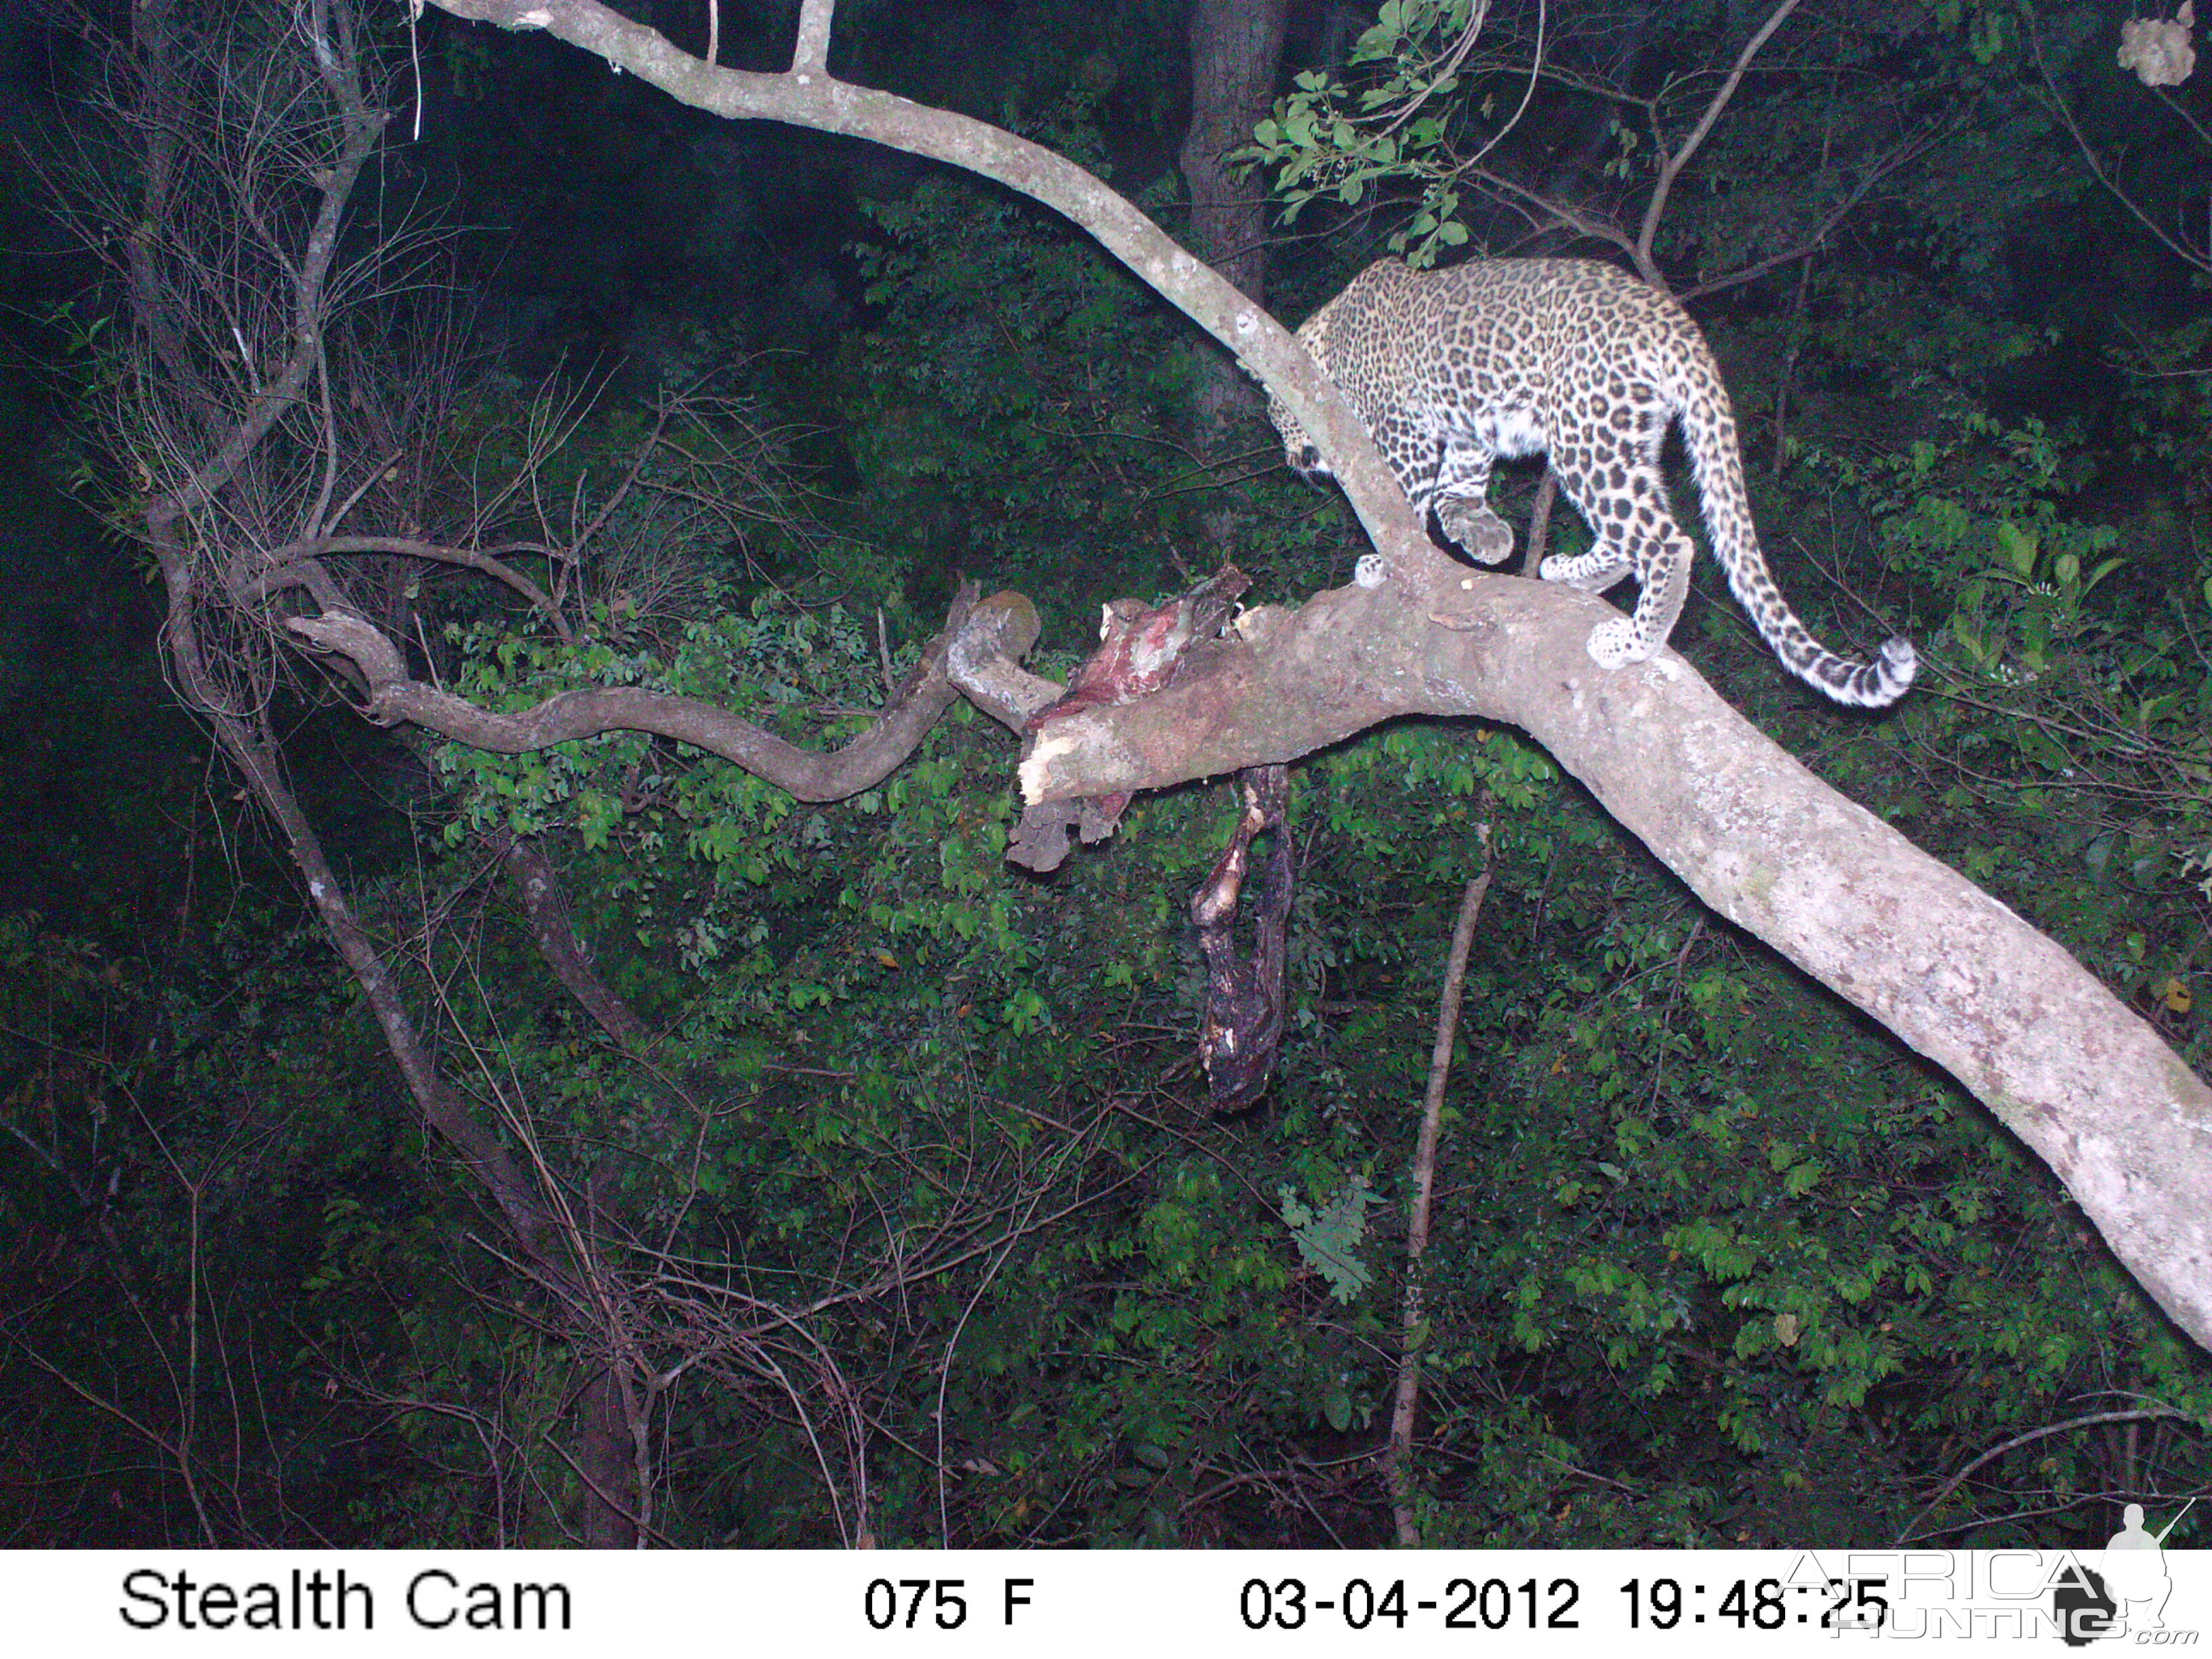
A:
(922, 1225)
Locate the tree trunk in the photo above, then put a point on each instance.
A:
(1235, 47)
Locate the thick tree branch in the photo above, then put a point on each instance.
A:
(2063, 1062)
(810, 56)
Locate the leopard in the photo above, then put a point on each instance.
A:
(1452, 369)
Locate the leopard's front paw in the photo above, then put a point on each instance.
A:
(1466, 522)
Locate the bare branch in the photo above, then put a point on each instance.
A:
(809, 775)
(487, 560)
(1530, 203)
(1671, 168)
(2200, 258)
(1880, 170)
(1399, 1455)
(2144, 1414)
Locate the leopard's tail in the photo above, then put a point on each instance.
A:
(1717, 461)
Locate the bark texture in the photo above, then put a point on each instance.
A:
(545, 912)
(1236, 46)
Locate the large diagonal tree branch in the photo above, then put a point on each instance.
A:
(2086, 1084)
(808, 96)
(2035, 1036)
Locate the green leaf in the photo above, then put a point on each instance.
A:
(1336, 1407)
(1328, 1239)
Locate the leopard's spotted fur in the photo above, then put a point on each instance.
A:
(1451, 369)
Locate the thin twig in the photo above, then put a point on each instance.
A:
(2200, 258)
(1540, 521)
(1673, 164)
(1398, 1458)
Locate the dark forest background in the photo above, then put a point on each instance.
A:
(924, 1228)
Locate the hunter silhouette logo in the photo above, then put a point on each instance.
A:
(2127, 1596)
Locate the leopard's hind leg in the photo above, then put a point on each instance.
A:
(1610, 558)
(1618, 489)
